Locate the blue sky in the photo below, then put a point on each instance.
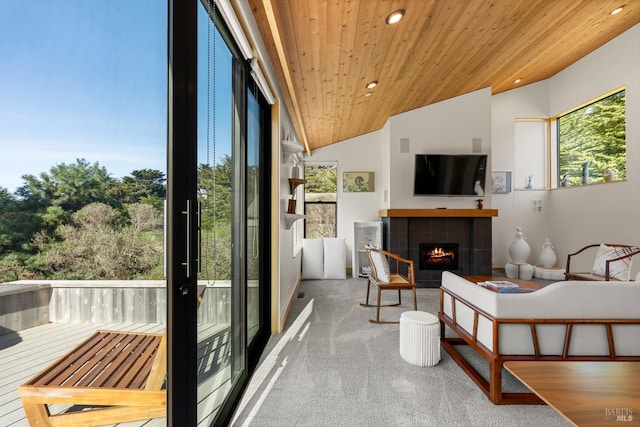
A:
(82, 79)
(87, 79)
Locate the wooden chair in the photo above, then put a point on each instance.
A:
(402, 279)
(626, 253)
(120, 375)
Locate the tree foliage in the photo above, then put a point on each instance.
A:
(69, 187)
(595, 134)
(94, 247)
(77, 222)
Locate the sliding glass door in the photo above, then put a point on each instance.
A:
(219, 300)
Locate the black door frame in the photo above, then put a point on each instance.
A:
(182, 224)
(181, 218)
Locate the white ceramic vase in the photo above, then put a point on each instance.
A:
(519, 249)
(547, 254)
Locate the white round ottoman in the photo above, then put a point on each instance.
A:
(420, 338)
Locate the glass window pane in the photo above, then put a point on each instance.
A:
(215, 194)
(592, 142)
(320, 220)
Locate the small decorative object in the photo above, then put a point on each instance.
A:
(529, 181)
(291, 207)
(519, 249)
(565, 181)
(477, 188)
(358, 182)
(501, 182)
(547, 255)
(609, 175)
(522, 271)
(585, 172)
(479, 203)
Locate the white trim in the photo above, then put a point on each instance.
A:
(229, 16)
(257, 75)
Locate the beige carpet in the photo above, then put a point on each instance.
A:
(331, 367)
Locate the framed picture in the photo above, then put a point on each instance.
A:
(500, 182)
(358, 182)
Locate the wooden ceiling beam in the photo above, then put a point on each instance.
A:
(284, 63)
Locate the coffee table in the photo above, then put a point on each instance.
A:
(523, 284)
(589, 394)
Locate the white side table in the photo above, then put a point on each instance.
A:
(420, 338)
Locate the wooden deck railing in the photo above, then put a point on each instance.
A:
(28, 303)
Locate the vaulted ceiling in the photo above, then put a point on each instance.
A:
(325, 52)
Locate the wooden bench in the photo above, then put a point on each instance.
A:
(120, 376)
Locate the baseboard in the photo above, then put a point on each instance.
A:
(283, 321)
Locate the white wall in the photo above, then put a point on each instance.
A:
(289, 260)
(360, 154)
(447, 127)
(514, 208)
(572, 217)
(605, 212)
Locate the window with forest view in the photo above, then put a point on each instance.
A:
(592, 143)
(320, 196)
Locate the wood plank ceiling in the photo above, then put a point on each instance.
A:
(326, 51)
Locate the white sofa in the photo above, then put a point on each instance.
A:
(569, 320)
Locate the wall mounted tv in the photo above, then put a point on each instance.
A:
(450, 175)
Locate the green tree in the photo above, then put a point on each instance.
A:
(596, 134)
(17, 225)
(70, 187)
(215, 193)
(144, 186)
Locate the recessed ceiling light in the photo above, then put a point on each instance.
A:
(395, 17)
(368, 94)
(516, 81)
(617, 10)
(372, 84)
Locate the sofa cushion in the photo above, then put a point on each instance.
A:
(618, 270)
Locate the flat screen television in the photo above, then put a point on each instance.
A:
(450, 175)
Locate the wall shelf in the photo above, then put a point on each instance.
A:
(289, 219)
(291, 216)
(293, 184)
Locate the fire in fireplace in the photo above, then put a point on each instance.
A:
(438, 256)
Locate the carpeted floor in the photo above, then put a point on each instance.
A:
(331, 367)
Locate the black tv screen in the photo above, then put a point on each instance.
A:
(450, 175)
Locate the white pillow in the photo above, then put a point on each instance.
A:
(335, 258)
(618, 270)
(312, 259)
(380, 265)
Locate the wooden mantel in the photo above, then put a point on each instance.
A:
(434, 213)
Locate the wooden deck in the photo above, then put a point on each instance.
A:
(25, 353)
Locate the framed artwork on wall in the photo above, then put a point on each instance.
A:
(358, 182)
(500, 182)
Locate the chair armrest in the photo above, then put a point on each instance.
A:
(567, 270)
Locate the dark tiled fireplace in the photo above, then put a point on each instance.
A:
(469, 229)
